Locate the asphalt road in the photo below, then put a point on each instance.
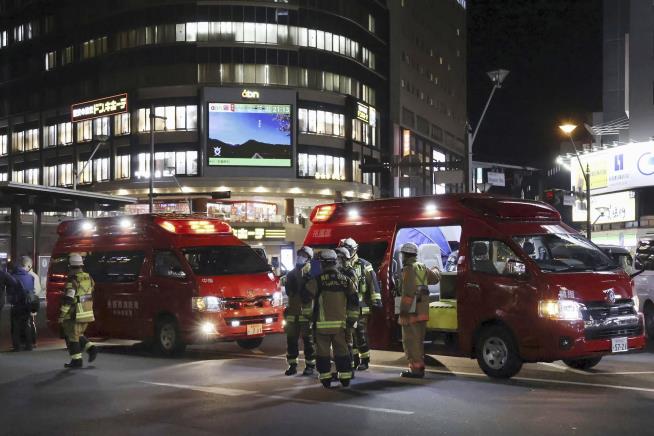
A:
(221, 389)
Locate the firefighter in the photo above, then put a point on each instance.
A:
(414, 308)
(76, 312)
(369, 294)
(335, 309)
(346, 269)
(298, 313)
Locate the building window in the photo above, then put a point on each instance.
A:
(67, 55)
(321, 166)
(65, 174)
(143, 170)
(3, 145)
(180, 163)
(50, 60)
(364, 132)
(85, 169)
(356, 171)
(321, 122)
(30, 175)
(101, 169)
(122, 167)
(26, 141)
(4, 40)
(4, 176)
(371, 23)
(50, 175)
(94, 47)
(101, 126)
(122, 124)
(370, 179)
(176, 118)
(84, 131)
(18, 141)
(64, 133)
(49, 136)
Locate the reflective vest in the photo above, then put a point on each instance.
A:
(418, 302)
(79, 294)
(333, 306)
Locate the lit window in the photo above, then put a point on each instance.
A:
(49, 136)
(84, 131)
(122, 124)
(50, 175)
(122, 167)
(3, 145)
(101, 126)
(85, 171)
(101, 169)
(50, 60)
(65, 174)
(64, 133)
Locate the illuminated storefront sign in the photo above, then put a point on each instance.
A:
(101, 107)
(615, 169)
(259, 233)
(616, 207)
(363, 112)
(250, 95)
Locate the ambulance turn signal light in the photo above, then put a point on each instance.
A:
(323, 213)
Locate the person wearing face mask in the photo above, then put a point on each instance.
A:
(298, 313)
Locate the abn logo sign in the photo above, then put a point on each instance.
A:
(250, 95)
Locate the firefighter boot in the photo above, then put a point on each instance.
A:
(308, 370)
(93, 353)
(74, 364)
(411, 374)
(292, 369)
(364, 364)
(327, 383)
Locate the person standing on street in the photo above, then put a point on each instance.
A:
(414, 308)
(36, 302)
(336, 307)
(76, 312)
(369, 294)
(6, 283)
(21, 297)
(298, 314)
(346, 269)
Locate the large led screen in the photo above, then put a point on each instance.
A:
(252, 135)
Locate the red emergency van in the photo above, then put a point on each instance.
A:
(518, 285)
(173, 279)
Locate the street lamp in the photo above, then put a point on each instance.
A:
(568, 129)
(153, 117)
(497, 77)
(102, 139)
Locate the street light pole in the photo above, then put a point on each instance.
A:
(568, 129)
(152, 117)
(102, 139)
(497, 77)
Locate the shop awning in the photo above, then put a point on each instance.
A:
(52, 199)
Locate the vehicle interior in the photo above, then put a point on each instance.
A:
(437, 249)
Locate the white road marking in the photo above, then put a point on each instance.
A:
(564, 368)
(239, 392)
(622, 373)
(481, 375)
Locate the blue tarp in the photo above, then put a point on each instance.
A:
(424, 235)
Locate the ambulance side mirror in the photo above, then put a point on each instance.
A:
(515, 268)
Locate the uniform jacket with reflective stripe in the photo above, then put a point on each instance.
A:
(367, 285)
(77, 302)
(336, 301)
(300, 300)
(415, 279)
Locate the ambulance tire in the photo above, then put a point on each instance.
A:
(497, 353)
(582, 364)
(249, 344)
(167, 337)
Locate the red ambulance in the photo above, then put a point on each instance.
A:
(172, 279)
(518, 285)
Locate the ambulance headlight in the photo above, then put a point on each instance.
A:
(277, 299)
(207, 304)
(562, 310)
(208, 328)
(636, 301)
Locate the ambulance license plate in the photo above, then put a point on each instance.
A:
(255, 329)
(619, 345)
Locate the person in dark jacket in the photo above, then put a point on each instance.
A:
(21, 296)
(6, 281)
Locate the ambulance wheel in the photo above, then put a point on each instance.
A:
(249, 344)
(497, 353)
(167, 338)
(648, 314)
(582, 363)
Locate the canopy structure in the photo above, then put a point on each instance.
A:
(37, 198)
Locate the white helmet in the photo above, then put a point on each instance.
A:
(75, 259)
(327, 256)
(409, 248)
(350, 244)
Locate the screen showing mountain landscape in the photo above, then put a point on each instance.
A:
(243, 134)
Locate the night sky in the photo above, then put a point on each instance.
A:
(553, 49)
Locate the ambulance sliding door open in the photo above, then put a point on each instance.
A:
(438, 246)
